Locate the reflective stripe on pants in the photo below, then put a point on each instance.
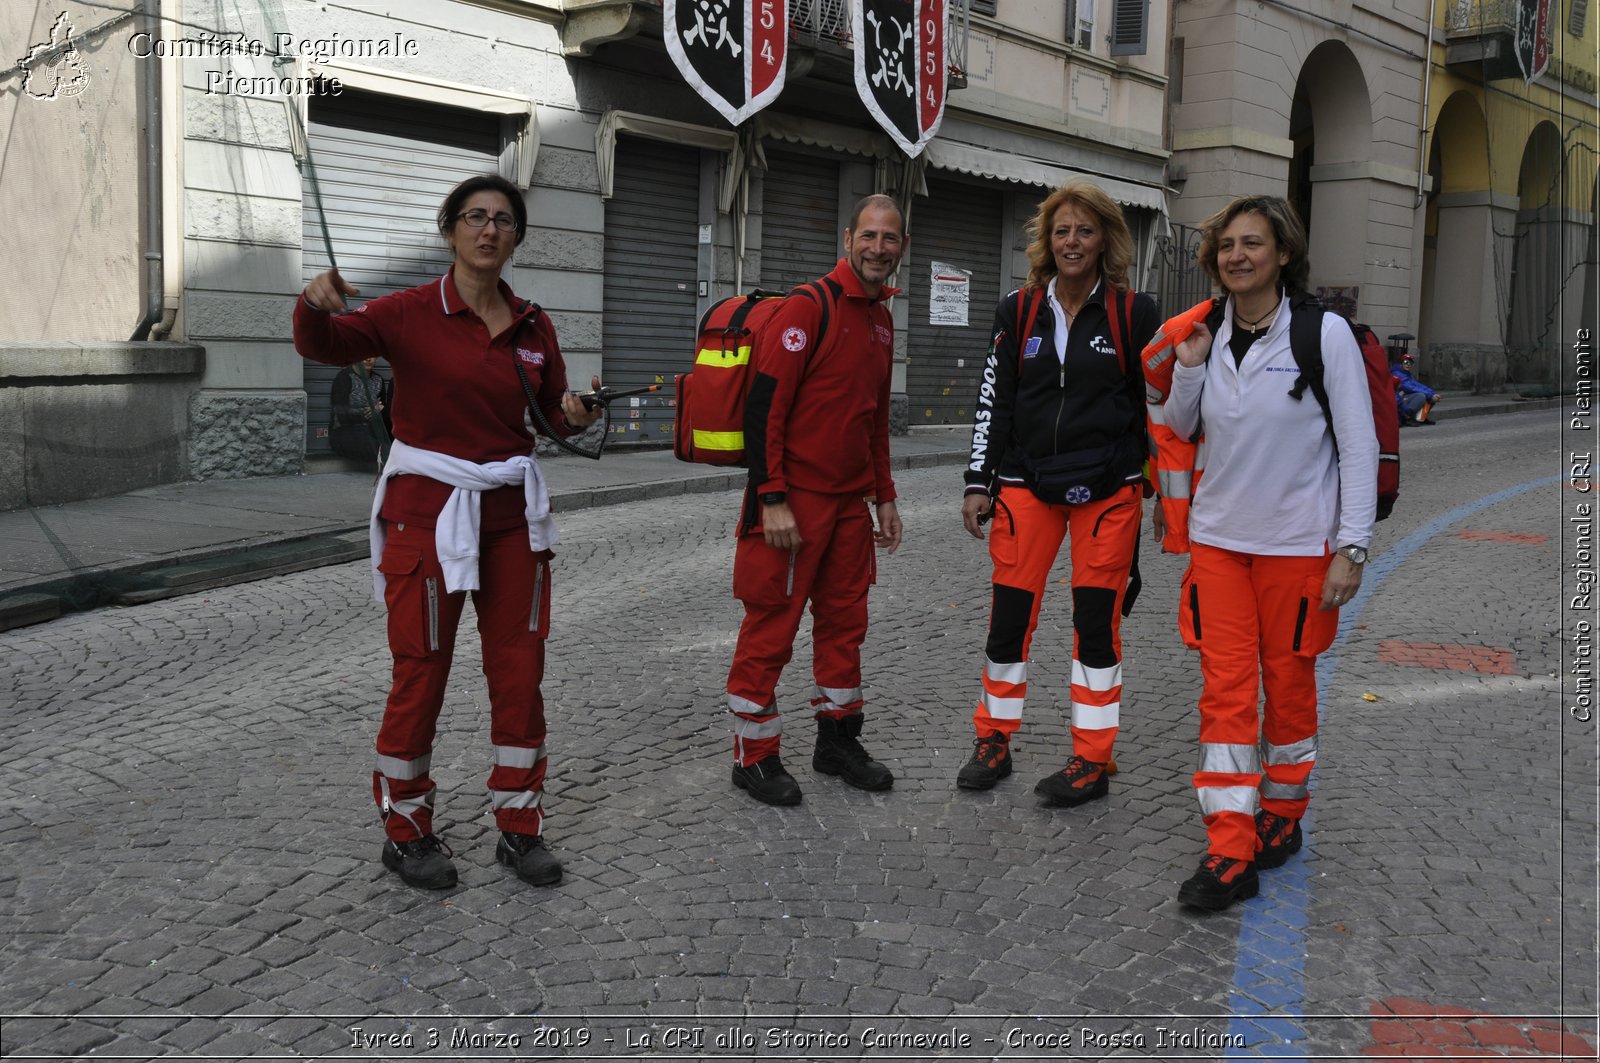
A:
(1024, 539)
(422, 622)
(1250, 605)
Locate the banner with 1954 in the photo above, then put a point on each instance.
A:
(901, 66)
(734, 53)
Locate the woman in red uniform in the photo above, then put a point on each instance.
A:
(461, 506)
(1058, 446)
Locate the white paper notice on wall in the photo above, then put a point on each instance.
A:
(949, 292)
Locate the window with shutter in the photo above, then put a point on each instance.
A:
(1129, 26)
(983, 7)
(1575, 17)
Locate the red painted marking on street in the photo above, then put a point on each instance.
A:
(1403, 1027)
(1448, 656)
(1524, 538)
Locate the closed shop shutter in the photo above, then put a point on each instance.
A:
(800, 234)
(958, 225)
(384, 166)
(651, 277)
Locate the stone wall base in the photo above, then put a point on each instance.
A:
(235, 434)
(1476, 367)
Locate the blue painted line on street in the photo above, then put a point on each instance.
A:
(1268, 998)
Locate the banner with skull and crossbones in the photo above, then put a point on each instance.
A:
(901, 67)
(734, 53)
(1531, 41)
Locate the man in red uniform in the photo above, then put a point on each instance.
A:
(817, 442)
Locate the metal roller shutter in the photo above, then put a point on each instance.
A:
(384, 166)
(800, 237)
(957, 225)
(651, 275)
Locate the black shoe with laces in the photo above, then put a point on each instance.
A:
(422, 862)
(1219, 882)
(768, 781)
(991, 762)
(527, 855)
(1277, 839)
(1081, 780)
(839, 752)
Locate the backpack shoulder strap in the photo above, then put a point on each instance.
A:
(1119, 314)
(1305, 343)
(826, 294)
(1028, 302)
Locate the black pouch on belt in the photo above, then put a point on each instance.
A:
(1078, 476)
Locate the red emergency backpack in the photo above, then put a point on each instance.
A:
(711, 396)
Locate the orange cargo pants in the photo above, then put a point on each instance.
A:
(1256, 621)
(1026, 536)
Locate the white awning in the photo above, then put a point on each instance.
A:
(643, 125)
(1004, 166)
(447, 94)
(820, 134)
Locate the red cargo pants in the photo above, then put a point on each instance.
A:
(832, 569)
(513, 610)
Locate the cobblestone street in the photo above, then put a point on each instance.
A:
(191, 848)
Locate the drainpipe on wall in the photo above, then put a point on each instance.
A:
(170, 185)
(151, 106)
(1422, 119)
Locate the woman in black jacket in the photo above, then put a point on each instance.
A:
(1058, 449)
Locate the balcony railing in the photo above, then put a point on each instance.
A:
(1480, 18)
(829, 22)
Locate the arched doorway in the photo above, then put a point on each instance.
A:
(1330, 180)
(1539, 268)
(1462, 323)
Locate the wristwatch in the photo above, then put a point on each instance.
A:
(1356, 555)
(774, 498)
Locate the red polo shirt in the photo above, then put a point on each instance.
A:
(456, 389)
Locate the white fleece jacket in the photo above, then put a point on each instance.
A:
(455, 532)
(1272, 483)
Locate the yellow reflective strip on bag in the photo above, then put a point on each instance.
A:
(718, 440)
(718, 358)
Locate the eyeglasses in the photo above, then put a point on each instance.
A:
(477, 219)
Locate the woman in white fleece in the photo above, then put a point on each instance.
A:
(461, 507)
(1279, 529)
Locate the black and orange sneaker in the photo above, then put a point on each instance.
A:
(991, 762)
(1081, 780)
(1277, 839)
(1219, 882)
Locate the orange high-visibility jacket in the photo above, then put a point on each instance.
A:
(1178, 461)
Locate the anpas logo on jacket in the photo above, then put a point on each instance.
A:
(984, 414)
(531, 357)
(1103, 346)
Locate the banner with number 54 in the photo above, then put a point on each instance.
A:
(734, 53)
(901, 67)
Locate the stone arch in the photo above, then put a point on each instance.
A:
(1330, 125)
(1461, 323)
(1538, 280)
